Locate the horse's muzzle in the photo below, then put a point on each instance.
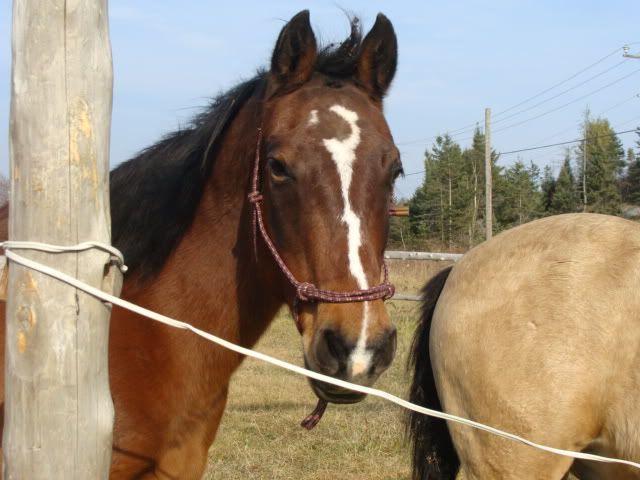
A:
(332, 355)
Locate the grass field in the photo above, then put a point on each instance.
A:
(260, 436)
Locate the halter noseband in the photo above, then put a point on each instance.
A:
(305, 291)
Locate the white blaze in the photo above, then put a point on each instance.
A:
(343, 153)
(313, 118)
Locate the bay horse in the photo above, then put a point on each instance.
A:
(536, 332)
(182, 216)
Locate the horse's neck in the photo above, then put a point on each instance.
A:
(212, 278)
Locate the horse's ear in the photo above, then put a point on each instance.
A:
(378, 57)
(294, 56)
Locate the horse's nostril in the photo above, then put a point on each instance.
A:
(331, 352)
(392, 337)
(336, 346)
(386, 351)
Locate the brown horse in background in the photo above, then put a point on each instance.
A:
(536, 332)
(181, 216)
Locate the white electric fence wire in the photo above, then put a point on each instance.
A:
(116, 255)
(279, 363)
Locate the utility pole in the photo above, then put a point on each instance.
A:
(488, 215)
(626, 54)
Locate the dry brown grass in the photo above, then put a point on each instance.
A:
(260, 436)
(409, 276)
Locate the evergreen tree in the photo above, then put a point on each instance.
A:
(523, 199)
(443, 197)
(631, 188)
(548, 187)
(399, 233)
(565, 198)
(630, 184)
(442, 208)
(475, 173)
(419, 209)
(449, 207)
(425, 205)
(633, 174)
(474, 168)
(601, 165)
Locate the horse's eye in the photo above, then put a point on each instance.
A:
(279, 170)
(397, 170)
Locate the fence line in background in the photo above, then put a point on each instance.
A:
(422, 256)
(399, 255)
(407, 297)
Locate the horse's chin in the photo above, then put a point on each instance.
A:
(333, 394)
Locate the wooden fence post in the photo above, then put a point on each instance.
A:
(58, 409)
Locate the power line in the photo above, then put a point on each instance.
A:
(567, 143)
(599, 114)
(563, 131)
(433, 137)
(630, 120)
(637, 95)
(414, 173)
(613, 52)
(618, 125)
(517, 124)
(561, 93)
(560, 83)
(539, 147)
(459, 131)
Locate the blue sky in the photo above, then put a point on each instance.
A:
(456, 58)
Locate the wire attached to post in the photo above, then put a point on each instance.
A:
(14, 257)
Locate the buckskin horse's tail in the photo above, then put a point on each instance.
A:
(433, 456)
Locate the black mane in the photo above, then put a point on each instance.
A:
(154, 195)
(341, 60)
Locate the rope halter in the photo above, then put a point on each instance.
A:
(305, 291)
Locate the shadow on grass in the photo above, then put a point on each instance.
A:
(365, 406)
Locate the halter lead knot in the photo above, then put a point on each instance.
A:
(306, 292)
(390, 291)
(255, 197)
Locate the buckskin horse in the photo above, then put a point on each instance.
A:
(277, 194)
(536, 332)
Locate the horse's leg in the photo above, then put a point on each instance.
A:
(619, 436)
(187, 459)
(485, 456)
(602, 471)
(585, 470)
(481, 460)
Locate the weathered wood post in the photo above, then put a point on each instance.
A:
(58, 409)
